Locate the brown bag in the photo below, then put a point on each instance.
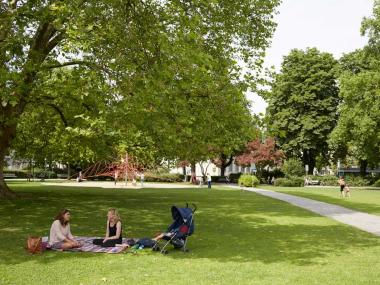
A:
(34, 245)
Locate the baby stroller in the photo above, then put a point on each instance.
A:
(181, 228)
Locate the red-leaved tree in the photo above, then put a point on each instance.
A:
(262, 154)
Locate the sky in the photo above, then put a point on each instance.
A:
(329, 25)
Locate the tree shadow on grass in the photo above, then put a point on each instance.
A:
(230, 225)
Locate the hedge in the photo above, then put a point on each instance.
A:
(162, 177)
(289, 182)
(248, 180)
(377, 183)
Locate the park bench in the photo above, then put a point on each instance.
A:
(312, 182)
(10, 175)
(63, 176)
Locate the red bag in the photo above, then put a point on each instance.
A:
(34, 245)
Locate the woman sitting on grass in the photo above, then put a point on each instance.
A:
(60, 235)
(113, 230)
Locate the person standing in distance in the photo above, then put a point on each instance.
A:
(142, 177)
(342, 184)
(208, 180)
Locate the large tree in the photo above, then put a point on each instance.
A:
(358, 130)
(302, 104)
(122, 40)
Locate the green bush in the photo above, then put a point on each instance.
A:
(326, 180)
(353, 180)
(38, 173)
(18, 173)
(293, 168)
(162, 177)
(377, 183)
(248, 180)
(289, 182)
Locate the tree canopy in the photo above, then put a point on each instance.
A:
(358, 130)
(302, 104)
(140, 58)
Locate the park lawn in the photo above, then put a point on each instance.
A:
(240, 238)
(361, 199)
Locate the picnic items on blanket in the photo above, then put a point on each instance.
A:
(34, 245)
(181, 228)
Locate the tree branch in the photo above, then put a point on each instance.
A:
(54, 41)
(62, 116)
(75, 62)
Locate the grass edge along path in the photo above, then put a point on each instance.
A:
(364, 221)
(362, 200)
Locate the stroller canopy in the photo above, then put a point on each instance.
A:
(182, 216)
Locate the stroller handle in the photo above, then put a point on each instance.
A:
(194, 207)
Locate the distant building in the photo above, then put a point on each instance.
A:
(211, 168)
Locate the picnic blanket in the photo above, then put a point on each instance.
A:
(88, 246)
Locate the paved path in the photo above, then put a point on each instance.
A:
(366, 222)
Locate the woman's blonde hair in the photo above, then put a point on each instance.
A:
(115, 214)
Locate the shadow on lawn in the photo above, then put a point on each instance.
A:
(230, 225)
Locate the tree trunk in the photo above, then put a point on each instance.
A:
(184, 173)
(7, 133)
(363, 167)
(308, 158)
(45, 39)
(224, 163)
(30, 170)
(193, 174)
(68, 171)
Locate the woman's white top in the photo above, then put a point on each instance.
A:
(59, 233)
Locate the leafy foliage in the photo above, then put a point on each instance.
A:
(262, 154)
(165, 70)
(247, 180)
(377, 183)
(293, 167)
(289, 182)
(302, 104)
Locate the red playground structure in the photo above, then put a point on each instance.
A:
(127, 168)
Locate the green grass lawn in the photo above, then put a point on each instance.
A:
(240, 238)
(361, 199)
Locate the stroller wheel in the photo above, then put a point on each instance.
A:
(164, 251)
(186, 250)
(156, 248)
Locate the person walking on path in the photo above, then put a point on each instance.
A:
(342, 184)
(116, 175)
(142, 177)
(208, 180)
